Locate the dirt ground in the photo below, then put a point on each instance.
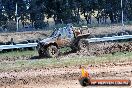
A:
(22, 36)
(62, 77)
(65, 77)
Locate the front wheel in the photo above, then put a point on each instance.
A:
(52, 51)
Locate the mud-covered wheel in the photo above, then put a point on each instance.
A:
(84, 82)
(83, 44)
(41, 53)
(52, 51)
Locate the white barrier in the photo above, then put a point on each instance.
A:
(17, 46)
(109, 38)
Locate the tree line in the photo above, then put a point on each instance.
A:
(64, 11)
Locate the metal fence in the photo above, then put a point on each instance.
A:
(91, 40)
(18, 46)
(113, 38)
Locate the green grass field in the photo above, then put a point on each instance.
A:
(55, 62)
(18, 53)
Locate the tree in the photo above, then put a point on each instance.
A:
(37, 13)
(3, 18)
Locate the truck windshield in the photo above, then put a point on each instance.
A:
(65, 33)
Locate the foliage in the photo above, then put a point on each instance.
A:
(64, 11)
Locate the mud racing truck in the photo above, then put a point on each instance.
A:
(63, 37)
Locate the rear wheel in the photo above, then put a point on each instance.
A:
(52, 51)
(41, 53)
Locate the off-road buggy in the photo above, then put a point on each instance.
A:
(63, 37)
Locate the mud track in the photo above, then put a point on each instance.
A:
(67, 77)
(64, 77)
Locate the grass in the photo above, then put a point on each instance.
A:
(18, 53)
(26, 53)
(52, 62)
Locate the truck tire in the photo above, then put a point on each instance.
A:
(83, 44)
(52, 51)
(41, 53)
